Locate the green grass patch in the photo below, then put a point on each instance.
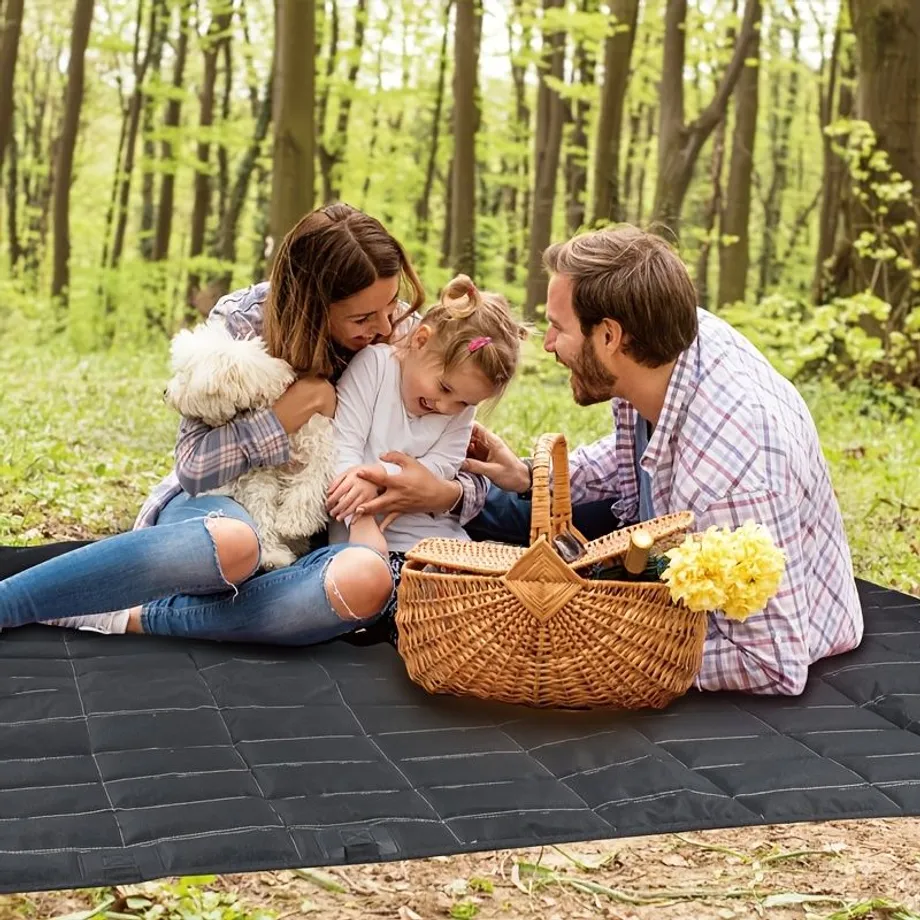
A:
(84, 438)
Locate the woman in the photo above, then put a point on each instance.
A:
(190, 566)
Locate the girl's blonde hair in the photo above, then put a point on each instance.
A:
(469, 325)
(331, 254)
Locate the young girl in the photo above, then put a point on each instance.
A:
(191, 565)
(418, 396)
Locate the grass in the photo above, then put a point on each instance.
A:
(84, 438)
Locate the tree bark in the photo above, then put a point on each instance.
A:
(10, 30)
(170, 128)
(679, 144)
(423, 205)
(463, 220)
(548, 140)
(711, 215)
(517, 192)
(576, 158)
(135, 109)
(836, 102)
(448, 212)
(12, 202)
(229, 225)
(780, 130)
(293, 114)
(223, 157)
(332, 149)
(888, 98)
(734, 257)
(212, 45)
(618, 49)
(148, 208)
(63, 167)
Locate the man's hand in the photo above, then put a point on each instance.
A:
(500, 464)
(349, 492)
(414, 489)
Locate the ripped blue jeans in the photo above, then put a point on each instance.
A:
(172, 570)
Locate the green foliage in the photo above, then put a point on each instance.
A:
(188, 898)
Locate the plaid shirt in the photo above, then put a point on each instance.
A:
(735, 441)
(206, 458)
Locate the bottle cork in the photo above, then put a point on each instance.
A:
(640, 544)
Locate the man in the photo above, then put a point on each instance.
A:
(703, 423)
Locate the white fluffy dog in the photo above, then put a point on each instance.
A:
(215, 378)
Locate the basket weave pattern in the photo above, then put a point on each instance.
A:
(523, 626)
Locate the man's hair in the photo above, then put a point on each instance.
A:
(636, 279)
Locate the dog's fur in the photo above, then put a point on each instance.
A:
(215, 378)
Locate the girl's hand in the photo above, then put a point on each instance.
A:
(303, 399)
(349, 492)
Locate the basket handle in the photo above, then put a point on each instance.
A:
(551, 511)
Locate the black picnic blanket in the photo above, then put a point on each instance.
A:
(130, 758)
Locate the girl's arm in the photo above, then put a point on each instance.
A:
(356, 395)
(449, 451)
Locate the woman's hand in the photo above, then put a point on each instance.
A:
(303, 399)
(497, 462)
(414, 489)
(349, 493)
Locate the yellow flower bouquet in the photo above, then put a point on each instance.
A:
(734, 571)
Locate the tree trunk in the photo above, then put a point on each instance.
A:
(230, 224)
(710, 216)
(734, 255)
(375, 131)
(679, 144)
(135, 109)
(517, 192)
(780, 129)
(10, 29)
(888, 98)
(212, 44)
(617, 55)
(293, 114)
(170, 128)
(463, 222)
(836, 102)
(448, 212)
(12, 202)
(548, 141)
(423, 205)
(332, 58)
(332, 149)
(576, 158)
(148, 208)
(63, 167)
(223, 158)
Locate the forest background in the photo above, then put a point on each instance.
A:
(152, 151)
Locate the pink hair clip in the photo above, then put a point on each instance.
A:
(481, 342)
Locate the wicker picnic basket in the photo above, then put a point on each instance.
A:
(521, 625)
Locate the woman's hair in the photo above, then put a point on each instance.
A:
(331, 254)
(476, 326)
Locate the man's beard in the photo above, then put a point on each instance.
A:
(591, 382)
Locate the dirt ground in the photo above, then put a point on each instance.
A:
(837, 870)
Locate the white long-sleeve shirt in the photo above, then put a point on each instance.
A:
(371, 420)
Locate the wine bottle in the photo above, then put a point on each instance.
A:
(637, 564)
(636, 558)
